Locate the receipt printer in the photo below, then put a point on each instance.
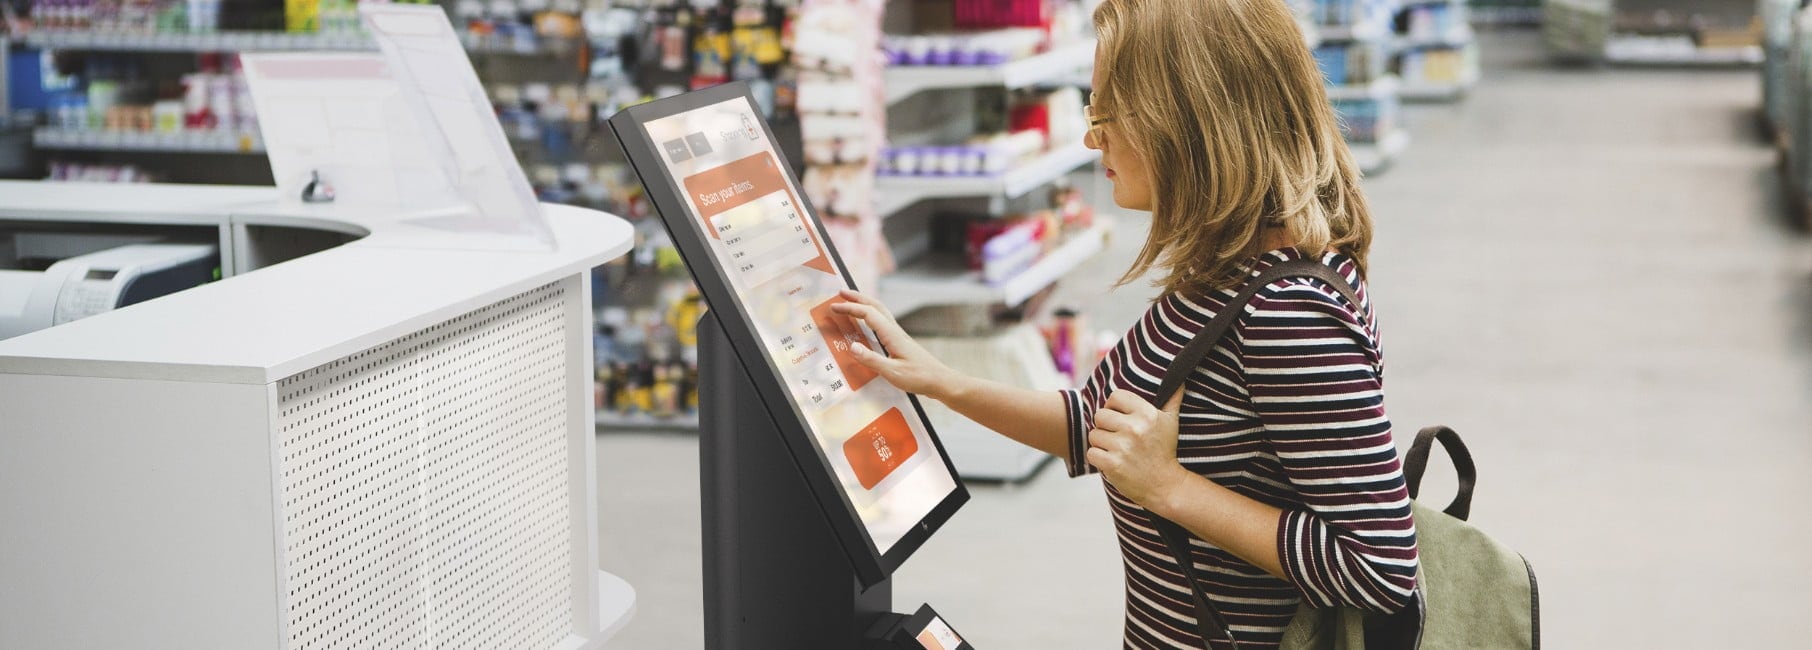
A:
(78, 287)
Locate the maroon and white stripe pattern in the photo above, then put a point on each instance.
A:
(1287, 410)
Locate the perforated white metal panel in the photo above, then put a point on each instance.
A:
(425, 487)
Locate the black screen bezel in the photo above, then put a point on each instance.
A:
(663, 190)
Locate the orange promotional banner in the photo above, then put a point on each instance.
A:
(880, 447)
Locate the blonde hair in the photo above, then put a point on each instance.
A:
(1224, 103)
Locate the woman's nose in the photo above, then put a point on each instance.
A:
(1089, 140)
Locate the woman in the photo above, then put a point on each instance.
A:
(1277, 456)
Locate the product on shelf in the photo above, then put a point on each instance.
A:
(113, 94)
(1036, 123)
(1350, 63)
(98, 173)
(1441, 65)
(973, 48)
(1072, 349)
(1000, 248)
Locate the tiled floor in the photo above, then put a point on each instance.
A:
(1586, 272)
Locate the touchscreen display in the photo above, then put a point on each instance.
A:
(737, 194)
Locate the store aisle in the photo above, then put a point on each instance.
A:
(1585, 272)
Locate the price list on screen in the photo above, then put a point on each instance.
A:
(765, 237)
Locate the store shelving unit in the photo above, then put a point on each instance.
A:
(238, 41)
(1371, 32)
(1365, 31)
(933, 280)
(229, 41)
(1438, 92)
(1505, 13)
(1460, 36)
(1457, 37)
(1643, 50)
(1380, 88)
(1060, 63)
(213, 142)
(896, 193)
(1675, 33)
(613, 421)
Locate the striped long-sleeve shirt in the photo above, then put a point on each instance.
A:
(1288, 410)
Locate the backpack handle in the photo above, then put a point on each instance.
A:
(1416, 461)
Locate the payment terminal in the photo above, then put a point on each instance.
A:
(818, 477)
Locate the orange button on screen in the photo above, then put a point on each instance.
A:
(880, 447)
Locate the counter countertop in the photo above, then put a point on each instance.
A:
(262, 326)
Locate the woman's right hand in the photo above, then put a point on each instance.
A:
(906, 364)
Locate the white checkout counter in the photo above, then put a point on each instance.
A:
(383, 442)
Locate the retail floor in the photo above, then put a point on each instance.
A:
(1586, 272)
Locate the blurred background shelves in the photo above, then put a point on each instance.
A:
(1380, 88)
(935, 280)
(894, 193)
(230, 41)
(148, 141)
(1439, 91)
(1061, 63)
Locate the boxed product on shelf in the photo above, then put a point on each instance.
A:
(986, 155)
(1434, 65)
(992, 47)
(1001, 13)
(1000, 248)
(1350, 63)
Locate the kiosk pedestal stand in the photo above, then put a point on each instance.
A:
(775, 576)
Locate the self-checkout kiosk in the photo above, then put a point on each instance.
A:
(819, 478)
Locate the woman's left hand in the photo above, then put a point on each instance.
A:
(1134, 444)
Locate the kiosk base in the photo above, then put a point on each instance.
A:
(775, 576)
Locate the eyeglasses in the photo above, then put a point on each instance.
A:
(1095, 120)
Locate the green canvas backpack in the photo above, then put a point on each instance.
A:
(1471, 591)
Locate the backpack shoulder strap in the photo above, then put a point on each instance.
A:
(1197, 349)
(1210, 624)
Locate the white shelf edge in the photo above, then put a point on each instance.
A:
(904, 81)
(1745, 55)
(613, 422)
(896, 193)
(1379, 88)
(195, 42)
(255, 41)
(180, 142)
(1439, 91)
(1459, 37)
(1373, 30)
(926, 284)
(1375, 156)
